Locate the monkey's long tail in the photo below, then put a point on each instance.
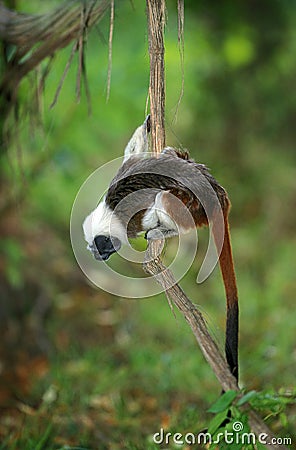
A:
(232, 318)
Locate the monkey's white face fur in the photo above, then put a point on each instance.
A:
(103, 222)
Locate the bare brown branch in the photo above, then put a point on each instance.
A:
(25, 29)
(37, 37)
(156, 22)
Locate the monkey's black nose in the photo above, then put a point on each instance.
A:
(106, 245)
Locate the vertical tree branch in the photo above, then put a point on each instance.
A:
(156, 21)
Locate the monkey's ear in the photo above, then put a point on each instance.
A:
(139, 140)
(177, 153)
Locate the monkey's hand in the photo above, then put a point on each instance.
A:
(160, 233)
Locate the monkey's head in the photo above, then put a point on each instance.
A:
(103, 232)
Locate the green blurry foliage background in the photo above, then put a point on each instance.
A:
(129, 366)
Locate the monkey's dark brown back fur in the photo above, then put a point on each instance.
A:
(173, 172)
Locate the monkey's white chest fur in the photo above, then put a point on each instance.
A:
(157, 216)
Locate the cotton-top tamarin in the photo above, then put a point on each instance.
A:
(145, 196)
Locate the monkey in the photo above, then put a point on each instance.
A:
(144, 196)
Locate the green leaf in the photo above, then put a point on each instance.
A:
(217, 421)
(246, 398)
(223, 402)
